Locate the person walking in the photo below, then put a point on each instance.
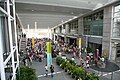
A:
(24, 61)
(52, 70)
(82, 62)
(46, 70)
(87, 63)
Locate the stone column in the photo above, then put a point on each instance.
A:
(107, 23)
(113, 51)
(65, 39)
(80, 31)
(66, 32)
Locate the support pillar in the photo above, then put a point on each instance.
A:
(66, 28)
(2, 70)
(11, 39)
(113, 51)
(16, 37)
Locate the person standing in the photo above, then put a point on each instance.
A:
(52, 70)
(87, 62)
(46, 70)
(73, 58)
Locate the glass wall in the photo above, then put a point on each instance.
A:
(93, 24)
(60, 28)
(5, 36)
(73, 27)
(116, 27)
(63, 28)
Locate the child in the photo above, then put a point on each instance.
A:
(52, 70)
(46, 70)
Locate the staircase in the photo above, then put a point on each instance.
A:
(23, 44)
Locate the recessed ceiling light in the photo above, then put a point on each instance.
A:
(89, 2)
(72, 13)
(32, 10)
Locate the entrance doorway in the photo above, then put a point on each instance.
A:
(94, 46)
(73, 41)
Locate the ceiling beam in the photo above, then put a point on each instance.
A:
(81, 5)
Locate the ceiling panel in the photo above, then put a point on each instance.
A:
(49, 13)
(85, 4)
(43, 21)
(36, 8)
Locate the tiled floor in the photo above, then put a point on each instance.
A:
(58, 75)
(61, 75)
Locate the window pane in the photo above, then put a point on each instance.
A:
(116, 28)
(117, 14)
(117, 8)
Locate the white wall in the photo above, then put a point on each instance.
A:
(38, 33)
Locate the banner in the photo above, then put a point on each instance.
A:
(49, 56)
(33, 43)
(80, 43)
(49, 47)
(49, 59)
(105, 52)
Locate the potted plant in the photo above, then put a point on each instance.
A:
(71, 61)
(59, 60)
(26, 73)
(92, 76)
(80, 73)
(74, 71)
(63, 65)
(68, 68)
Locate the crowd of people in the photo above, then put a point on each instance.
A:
(59, 48)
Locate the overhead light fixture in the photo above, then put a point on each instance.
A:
(115, 43)
(69, 19)
(32, 10)
(72, 13)
(74, 17)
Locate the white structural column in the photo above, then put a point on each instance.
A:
(28, 28)
(58, 29)
(10, 36)
(62, 27)
(66, 28)
(16, 41)
(2, 70)
(35, 26)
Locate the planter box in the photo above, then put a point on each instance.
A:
(73, 76)
(65, 70)
(101, 64)
(69, 73)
